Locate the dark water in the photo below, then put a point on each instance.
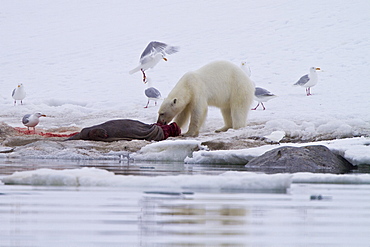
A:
(306, 215)
(118, 167)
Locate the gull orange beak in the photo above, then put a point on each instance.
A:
(318, 69)
(165, 59)
(43, 115)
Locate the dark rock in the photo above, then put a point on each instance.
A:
(319, 197)
(300, 159)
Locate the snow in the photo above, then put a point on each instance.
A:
(73, 59)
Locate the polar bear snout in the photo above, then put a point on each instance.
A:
(161, 119)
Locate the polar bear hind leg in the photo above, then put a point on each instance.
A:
(226, 114)
(239, 117)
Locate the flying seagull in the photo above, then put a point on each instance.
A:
(31, 120)
(19, 93)
(153, 53)
(262, 95)
(308, 80)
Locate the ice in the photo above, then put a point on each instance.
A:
(222, 156)
(168, 150)
(355, 150)
(304, 177)
(73, 60)
(229, 181)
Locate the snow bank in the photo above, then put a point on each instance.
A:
(355, 150)
(229, 181)
(168, 150)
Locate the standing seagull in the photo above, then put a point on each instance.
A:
(153, 53)
(246, 68)
(262, 95)
(19, 93)
(32, 120)
(308, 80)
(152, 93)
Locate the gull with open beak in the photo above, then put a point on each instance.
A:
(31, 120)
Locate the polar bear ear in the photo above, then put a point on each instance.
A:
(174, 102)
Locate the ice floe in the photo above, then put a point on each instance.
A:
(228, 181)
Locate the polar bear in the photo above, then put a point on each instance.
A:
(221, 84)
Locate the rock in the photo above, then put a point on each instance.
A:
(315, 159)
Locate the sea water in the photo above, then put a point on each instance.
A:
(304, 215)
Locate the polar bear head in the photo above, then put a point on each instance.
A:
(170, 107)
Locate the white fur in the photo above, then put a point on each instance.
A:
(221, 84)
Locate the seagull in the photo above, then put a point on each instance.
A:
(152, 93)
(308, 80)
(262, 95)
(153, 53)
(19, 93)
(274, 137)
(31, 120)
(246, 68)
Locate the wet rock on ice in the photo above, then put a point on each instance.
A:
(315, 158)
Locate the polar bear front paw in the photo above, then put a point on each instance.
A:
(190, 134)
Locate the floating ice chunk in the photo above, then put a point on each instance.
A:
(241, 156)
(168, 150)
(229, 181)
(67, 177)
(275, 137)
(305, 177)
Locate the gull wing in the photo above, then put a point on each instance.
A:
(303, 80)
(25, 119)
(262, 92)
(155, 47)
(152, 92)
